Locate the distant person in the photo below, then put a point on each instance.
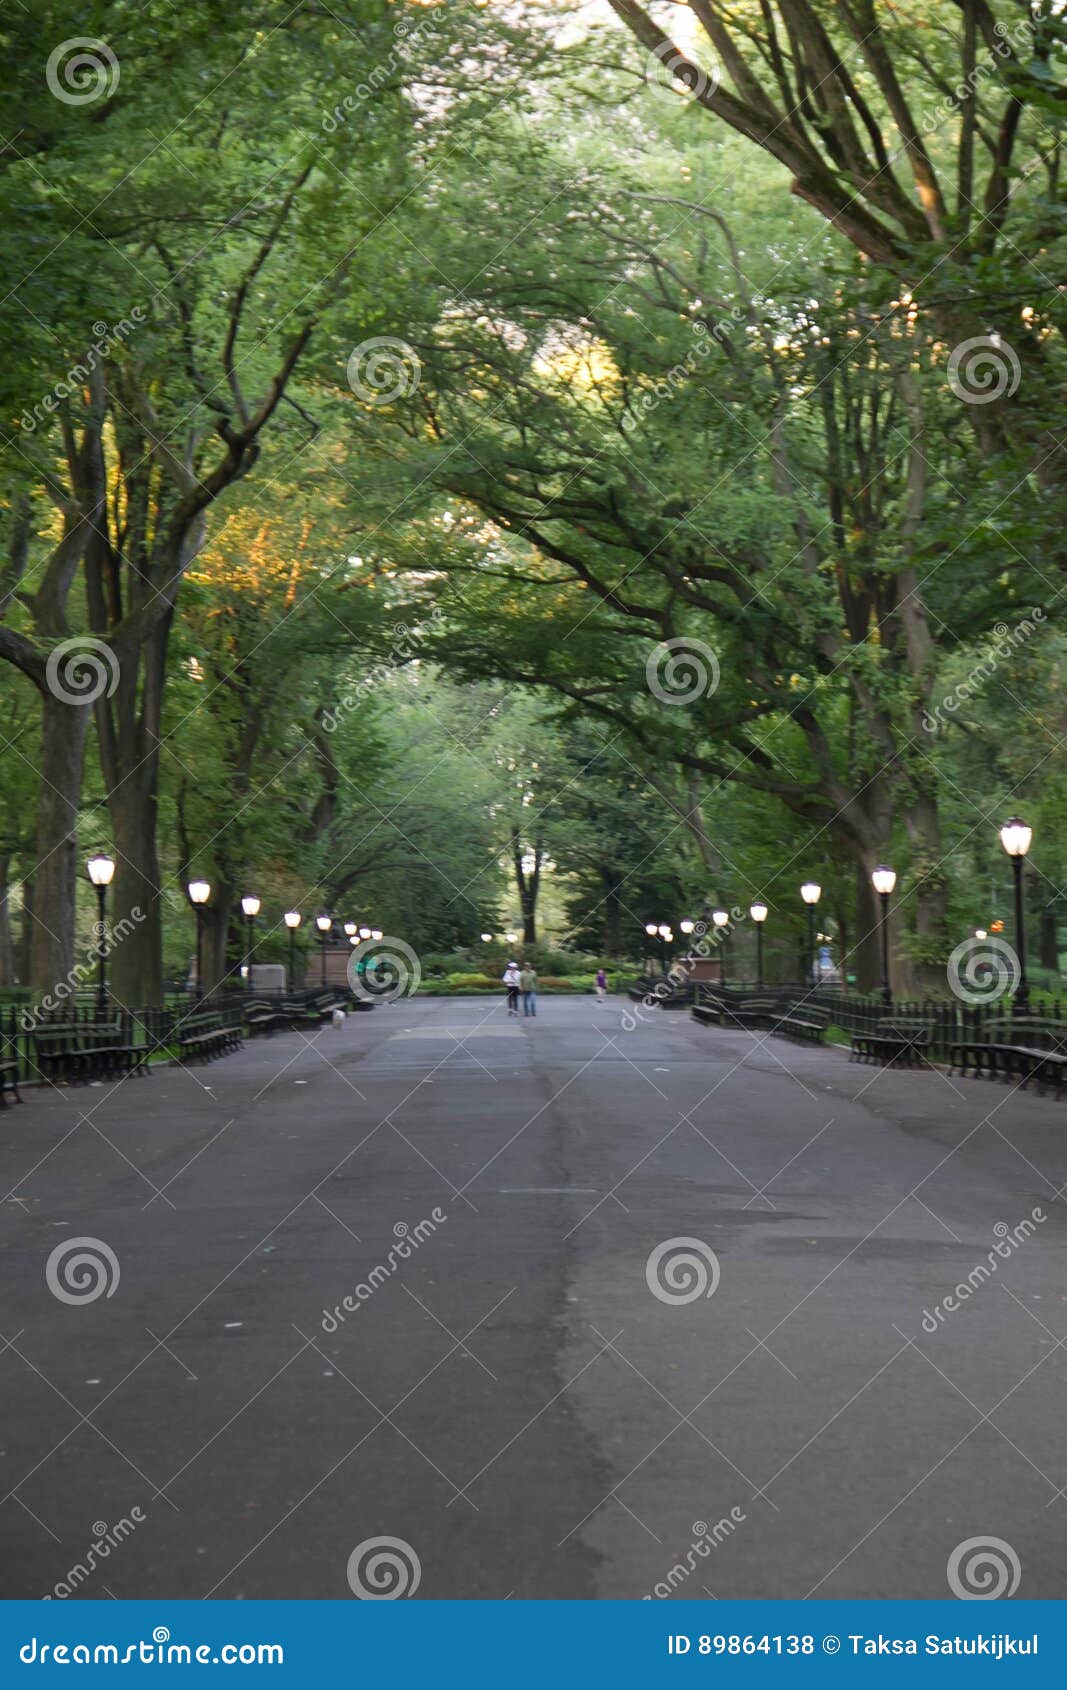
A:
(601, 983)
(528, 982)
(511, 982)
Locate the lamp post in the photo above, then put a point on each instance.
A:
(292, 921)
(1015, 836)
(758, 912)
(721, 920)
(884, 878)
(376, 934)
(323, 923)
(351, 930)
(364, 932)
(665, 936)
(980, 933)
(651, 929)
(250, 905)
(199, 893)
(487, 938)
(811, 892)
(101, 868)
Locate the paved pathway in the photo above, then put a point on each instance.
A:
(511, 1399)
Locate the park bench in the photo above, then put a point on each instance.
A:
(801, 1020)
(1021, 1049)
(262, 1016)
(677, 995)
(893, 1041)
(86, 1050)
(757, 1014)
(207, 1034)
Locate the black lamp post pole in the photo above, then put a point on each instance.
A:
(101, 987)
(759, 953)
(1022, 995)
(887, 990)
(251, 925)
(199, 950)
(324, 936)
(292, 959)
(811, 945)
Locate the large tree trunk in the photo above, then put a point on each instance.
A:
(866, 959)
(7, 950)
(25, 930)
(926, 972)
(136, 959)
(528, 886)
(1048, 940)
(217, 918)
(56, 873)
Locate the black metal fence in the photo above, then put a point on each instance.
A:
(949, 1022)
(156, 1028)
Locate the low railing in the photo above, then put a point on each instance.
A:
(950, 1022)
(157, 1027)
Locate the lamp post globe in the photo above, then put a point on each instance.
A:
(100, 869)
(1015, 837)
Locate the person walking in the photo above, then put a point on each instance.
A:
(601, 983)
(528, 982)
(511, 981)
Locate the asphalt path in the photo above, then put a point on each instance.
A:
(530, 1389)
